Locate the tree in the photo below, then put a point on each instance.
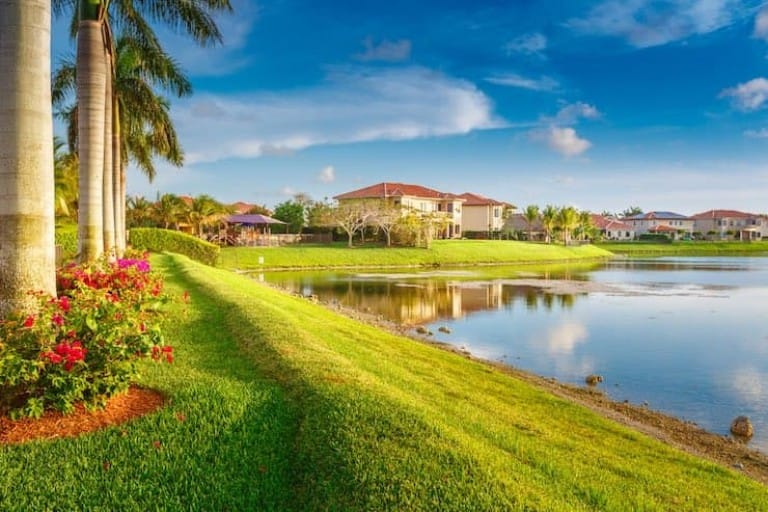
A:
(139, 212)
(385, 215)
(292, 213)
(585, 227)
(65, 180)
(168, 210)
(351, 217)
(203, 211)
(260, 209)
(632, 210)
(567, 219)
(531, 214)
(548, 220)
(27, 255)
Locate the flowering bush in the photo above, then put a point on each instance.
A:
(82, 346)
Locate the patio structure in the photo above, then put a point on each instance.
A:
(249, 229)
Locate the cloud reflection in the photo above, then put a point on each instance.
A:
(563, 339)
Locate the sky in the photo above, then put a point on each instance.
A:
(601, 105)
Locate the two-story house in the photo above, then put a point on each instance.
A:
(613, 229)
(483, 214)
(413, 198)
(729, 224)
(671, 224)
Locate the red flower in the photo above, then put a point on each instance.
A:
(57, 319)
(64, 304)
(29, 322)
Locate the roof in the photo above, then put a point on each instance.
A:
(241, 207)
(719, 214)
(478, 200)
(608, 223)
(657, 215)
(387, 189)
(252, 219)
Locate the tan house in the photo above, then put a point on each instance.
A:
(729, 224)
(671, 224)
(613, 229)
(482, 213)
(414, 198)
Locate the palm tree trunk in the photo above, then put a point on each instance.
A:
(108, 204)
(118, 180)
(91, 88)
(27, 256)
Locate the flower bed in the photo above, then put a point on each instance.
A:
(82, 346)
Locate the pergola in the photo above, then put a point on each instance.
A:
(255, 225)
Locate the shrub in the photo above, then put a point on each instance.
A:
(84, 345)
(66, 239)
(159, 240)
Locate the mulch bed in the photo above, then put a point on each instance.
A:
(53, 425)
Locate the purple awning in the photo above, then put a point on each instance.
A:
(252, 219)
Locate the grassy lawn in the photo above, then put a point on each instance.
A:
(686, 248)
(279, 404)
(442, 252)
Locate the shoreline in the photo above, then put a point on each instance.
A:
(684, 435)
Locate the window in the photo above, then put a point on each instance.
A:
(497, 212)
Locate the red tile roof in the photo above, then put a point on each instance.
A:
(719, 214)
(607, 223)
(382, 190)
(478, 200)
(241, 207)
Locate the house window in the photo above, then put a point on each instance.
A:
(496, 212)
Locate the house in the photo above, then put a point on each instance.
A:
(671, 224)
(414, 198)
(483, 214)
(612, 229)
(517, 223)
(725, 224)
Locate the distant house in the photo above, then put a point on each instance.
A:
(241, 208)
(517, 223)
(671, 224)
(482, 213)
(729, 224)
(613, 229)
(412, 198)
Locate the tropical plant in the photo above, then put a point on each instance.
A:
(385, 216)
(351, 217)
(168, 210)
(65, 180)
(27, 258)
(204, 211)
(548, 221)
(531, 214)
(567, 220)
(585, 227)
(292, 213)
(139, 212)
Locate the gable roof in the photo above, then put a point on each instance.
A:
(607, 223)
(471, 199)
(719, 214)
(388, 189)
(241, 207)
(657, 215)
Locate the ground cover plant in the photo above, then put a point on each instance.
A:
(441, 253)
(276, 403)
(82, 346)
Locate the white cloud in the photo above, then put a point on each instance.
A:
(762, 133)
(749, 95)
(571, 113)
(353, 105)
(327, 175)
(761, 24)
(646, 23)
(288, 191)
(543, 83)
(532, 45)
(387, 51)
(566, 141)
(564, 338)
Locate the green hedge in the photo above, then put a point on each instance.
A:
(159, 240)
(66, 238)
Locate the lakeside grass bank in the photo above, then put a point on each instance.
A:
(276, 403)
(441, 253)
(685, 248)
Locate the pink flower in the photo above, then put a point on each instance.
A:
(57, 319)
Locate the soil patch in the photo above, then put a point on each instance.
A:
(53, 425)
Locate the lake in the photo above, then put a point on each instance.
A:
(686, 335)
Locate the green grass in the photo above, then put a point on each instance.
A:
(289, 406)
(442, 253)
(686, 248)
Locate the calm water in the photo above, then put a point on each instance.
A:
(687, 335)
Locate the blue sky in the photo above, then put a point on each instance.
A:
(596, 104)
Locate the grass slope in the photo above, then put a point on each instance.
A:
(686, 248)
(442, 252)
(288, 406)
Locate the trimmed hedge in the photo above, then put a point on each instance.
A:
(66, 238)
(159, 240)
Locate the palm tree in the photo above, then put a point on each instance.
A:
(27, 258)
(95, 43)
(548, 219)
(567, 219)
(65, 180)
(531, 215)
(585, 226)
(139, 212)
(204, 211)
(168, 210)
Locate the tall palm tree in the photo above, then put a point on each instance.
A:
(27, 259)
(65, 180)
(168, 210)
(548, 220)
(585, 227)
(133, 17)
(567, 219)
(531, 214)
(204, 211)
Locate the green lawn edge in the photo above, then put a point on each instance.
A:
(276, 403)
(441, 253)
